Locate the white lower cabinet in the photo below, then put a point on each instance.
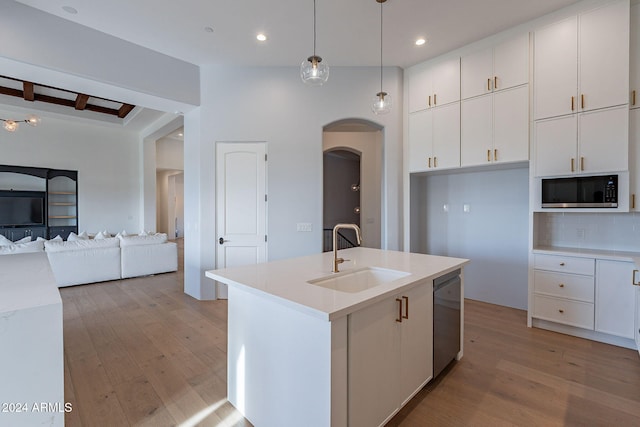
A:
(564, 290)
(589, 293)
(615, 298)
(390, 355)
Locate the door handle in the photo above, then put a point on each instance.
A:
(633, 279)
(222, 241)
(399, 319)
(406, 313)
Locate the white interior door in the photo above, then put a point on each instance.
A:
(241, 206)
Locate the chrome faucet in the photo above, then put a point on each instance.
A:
(337, 260)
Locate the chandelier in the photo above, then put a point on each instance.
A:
(382, 100)
(11, 125)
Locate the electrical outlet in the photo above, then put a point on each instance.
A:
(304, 226)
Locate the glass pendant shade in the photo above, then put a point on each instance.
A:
(381, 103)
(313, 72)
(10, 126)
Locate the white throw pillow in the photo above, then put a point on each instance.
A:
(24, 240)
(4, 241)
(73, 236)
(156, 239)
(123, 233)
(83, 235)
(143, 233)
(102, 235)
(22, 248)
(57, 238)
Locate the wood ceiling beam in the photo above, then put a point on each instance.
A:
(124, 110)
(10, 91)
(81, 101)
(27, 91)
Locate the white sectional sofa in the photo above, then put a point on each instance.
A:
(84, 261)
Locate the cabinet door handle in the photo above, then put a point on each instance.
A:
(561, 311)
(581, 163)
(633, 97)
(399, 319)
(633, 278)
(562, 264)
(495, 155)
(633, 201)
(435, 100)
(572, 103)
(582, 101)
(429, 100)
(561, 285)
(495, 82)
(488, 85)
(406, 307)
(573, 165)
(488, 155)
(429, 161)
(435, 162)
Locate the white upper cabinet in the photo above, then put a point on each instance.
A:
(585, 143)
(634, 159)
(582, 62)
(501, 67)
(634, 76)
(435, 86)
(434, 138)
(495, 128)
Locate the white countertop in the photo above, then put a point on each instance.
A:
(285, 280)
(590, 253)
(26, 281)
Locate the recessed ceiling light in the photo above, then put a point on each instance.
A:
(69, 9)
(208, 29)
(180, 134)
(261, 37)
(420, 42)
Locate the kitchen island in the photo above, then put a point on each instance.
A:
(315, 348)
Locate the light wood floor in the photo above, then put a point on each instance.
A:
(140, 352)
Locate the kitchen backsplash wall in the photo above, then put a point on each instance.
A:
(606, 231)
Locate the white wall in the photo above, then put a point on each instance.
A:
(493, 234)
(107, 161)
(271, 104)
(169, 154)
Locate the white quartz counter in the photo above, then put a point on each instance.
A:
(26, 281)
(286, 280)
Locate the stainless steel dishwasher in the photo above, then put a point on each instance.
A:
(446, 320)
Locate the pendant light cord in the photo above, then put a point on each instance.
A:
(314, 27)
(380, 46)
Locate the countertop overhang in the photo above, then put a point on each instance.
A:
(286, 281)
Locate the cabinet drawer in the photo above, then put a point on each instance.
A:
(564, 264)
(564, 285)
(573, 313)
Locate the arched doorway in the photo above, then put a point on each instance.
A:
(352, 179)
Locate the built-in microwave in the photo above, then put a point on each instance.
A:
(580, 192)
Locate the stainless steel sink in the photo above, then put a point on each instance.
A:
(358, 280)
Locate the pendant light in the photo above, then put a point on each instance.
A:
(382, 100)
(312, 71)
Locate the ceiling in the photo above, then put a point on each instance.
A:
(347, 30)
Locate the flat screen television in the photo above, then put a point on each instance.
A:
(21, 208)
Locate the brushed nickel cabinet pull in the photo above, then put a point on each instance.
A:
(399, 319)
(406, 307)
